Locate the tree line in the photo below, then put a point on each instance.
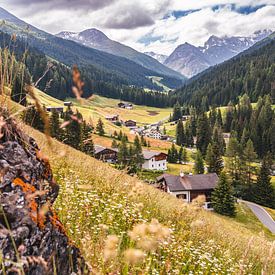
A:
(251, 137)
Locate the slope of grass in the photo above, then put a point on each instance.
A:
(99, 107)
(97, 201)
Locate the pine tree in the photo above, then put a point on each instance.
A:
(199, 164)
(180, 154)
(180, 137)
(73, 131)
(164, 130)
(263, 191)
(123, 153)
(120, 135)
(213, 159)
(234, 161)
(33, 118)
(55, 130)
(114, 144)
(219, 140)
(249, 156)
(203, 133)
(173, 154)
(184, 156)
(87, 145)
(100, 127)
(137, 153)
(222, 198)
(188, 135)
(177, 113)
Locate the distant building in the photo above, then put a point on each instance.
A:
(154, 161)
(112, 118)
(125, 105)
(106, 154)
(189, 187)
(130, 123)
(68, 103)
(184, 118)
(57, 109)
(152, 133)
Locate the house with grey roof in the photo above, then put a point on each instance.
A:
(188, 187)
(154, 160)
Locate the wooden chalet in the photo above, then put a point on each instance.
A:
(130, 123)
(112, 118)
(188, 187)
(106, 154)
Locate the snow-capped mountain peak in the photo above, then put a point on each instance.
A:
(190, 60)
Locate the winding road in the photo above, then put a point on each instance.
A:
(262, 215)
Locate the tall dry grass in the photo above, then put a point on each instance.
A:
(97, 202)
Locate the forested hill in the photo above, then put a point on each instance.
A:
(57, 82)
(251, 73)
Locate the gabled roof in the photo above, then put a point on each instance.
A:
(150, 154)
(187, 182)
(98, 149)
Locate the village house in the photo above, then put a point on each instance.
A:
(106, 154)
(68, 103)
(154, 161)
(188, 187)
(154, 134)
(112, 118)
(57, 109)
(124, 105)
(130, 123)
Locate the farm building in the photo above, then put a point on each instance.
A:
(124, 105)
(106, 154)
(154, 160)
(112, 118)
(68, 103)
(57, 109)
(130, 123)
(188, 187)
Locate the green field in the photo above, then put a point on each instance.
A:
(99, 107)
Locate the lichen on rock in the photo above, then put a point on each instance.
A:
(32, 238)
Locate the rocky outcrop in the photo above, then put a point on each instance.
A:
(32, 238)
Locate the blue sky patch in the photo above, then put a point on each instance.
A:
(239, 9)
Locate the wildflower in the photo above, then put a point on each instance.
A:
(197, 224)
(134, 256)
(111, 246)
(149, 236)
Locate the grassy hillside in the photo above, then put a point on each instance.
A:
(97, 201)
(99, 107)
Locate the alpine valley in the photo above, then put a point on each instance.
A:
(117, 157)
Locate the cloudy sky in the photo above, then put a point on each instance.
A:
(149, 25)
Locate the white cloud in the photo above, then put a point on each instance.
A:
(128, 21)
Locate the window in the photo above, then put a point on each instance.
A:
(182, 196)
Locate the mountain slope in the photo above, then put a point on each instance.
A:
(69, 53)
(251, 72)
(159, 57)
(96, 39)
(195, 233)
(191, 60)
(188, 60)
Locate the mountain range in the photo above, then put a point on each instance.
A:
(120, 70)
(96, 39)
(251, 72)
(190, 60)
(186, 59)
